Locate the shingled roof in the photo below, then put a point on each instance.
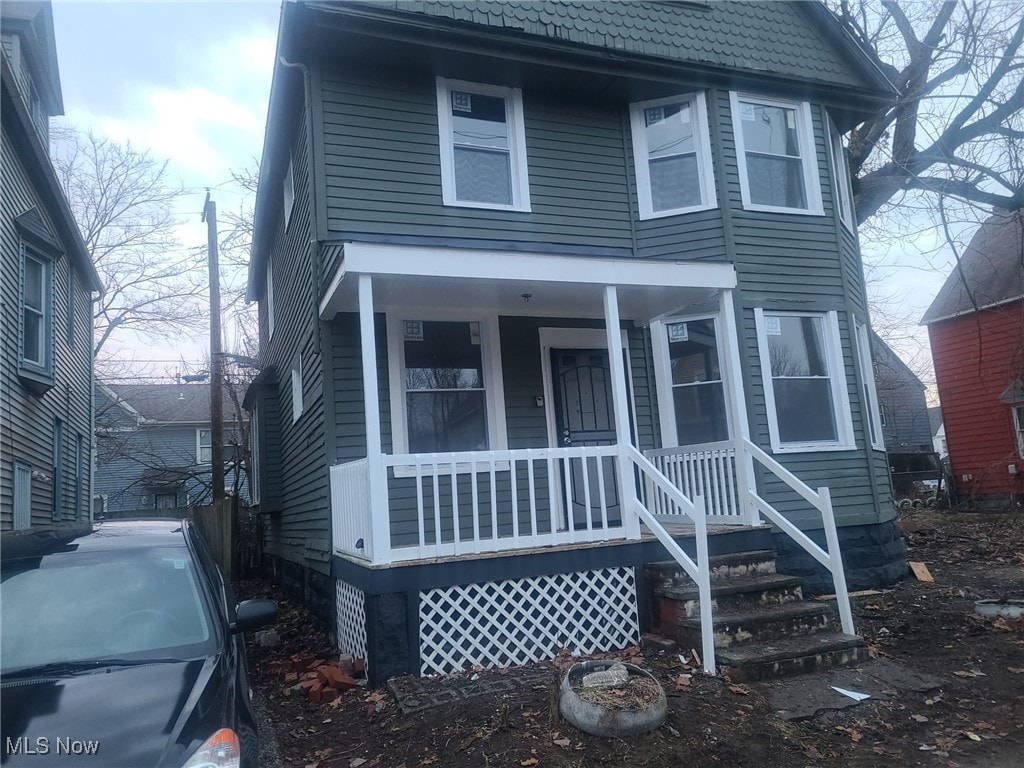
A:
(759, 37)
(170, 403)
(993, 270)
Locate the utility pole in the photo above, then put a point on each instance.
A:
(216, 358)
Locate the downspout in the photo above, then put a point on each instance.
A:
(314, 229)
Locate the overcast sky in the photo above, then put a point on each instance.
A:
(190, 81)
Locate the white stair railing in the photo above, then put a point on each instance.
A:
(700, 571)
(821, 500)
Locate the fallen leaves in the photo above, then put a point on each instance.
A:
(529, 762)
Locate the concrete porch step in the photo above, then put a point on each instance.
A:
(723, 567)
(791, 656)
(763, 625)
(734, 595)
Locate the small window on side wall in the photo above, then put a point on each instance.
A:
(872, 412)
(289, 192)
(483, 146)
(804, 384)
(841, 174)
(36, 312)
(1018, 425)
(672, 156)
(298, 403)
(776, 155)
(204, 446)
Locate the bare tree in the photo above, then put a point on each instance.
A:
(122, 200)
(957, 126)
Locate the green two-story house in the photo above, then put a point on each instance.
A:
(547, 289)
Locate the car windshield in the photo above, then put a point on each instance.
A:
(117, 604)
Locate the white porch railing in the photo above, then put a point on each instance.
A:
(447, 504)
(352, 511)
(707, 470)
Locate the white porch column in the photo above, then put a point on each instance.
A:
(380, 525)
(630, 520)
(735, 396)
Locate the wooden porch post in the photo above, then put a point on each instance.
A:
(630, 520)
(380, 525)
(745, 480)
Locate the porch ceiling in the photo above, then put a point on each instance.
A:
(564, 286)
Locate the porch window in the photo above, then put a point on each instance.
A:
(445, 396)
(872, 413)
(805, 388)
(204, 446)
(698, 395)
(483, 146)
(672, 156)
(775, 153)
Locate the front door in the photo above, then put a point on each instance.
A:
(585, 415)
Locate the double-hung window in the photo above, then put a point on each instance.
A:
(841, 174)
(445, 396)
(204, 446)
(1018, 425)
(698, 406)
(254, 454)
(483, 146)
(872, 414)
(804, 383)
(36, 312)
(672, 156)
(776, 155)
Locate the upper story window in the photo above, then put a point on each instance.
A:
(804, 383)
(776, 156)
(672, 156)
(270, 300)
(36, 312)
(483, 146)
(204, 446)
(289, 192)
(841, 173)
(298, 403)
(1018, 425)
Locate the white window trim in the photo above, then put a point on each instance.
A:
(298, 401)
(808, 154)
(837, 378)
(663, 375)
(288, 191)
(641, 160)
(872, 407)
(520, 180)
(254, 455)
(45, 364)
(494, 386)
(841, 175)
(270, 301)
(199, 445)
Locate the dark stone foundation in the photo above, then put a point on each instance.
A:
(874, 556)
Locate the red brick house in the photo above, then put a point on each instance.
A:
(976, 329)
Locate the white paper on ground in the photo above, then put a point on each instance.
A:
(852, 694)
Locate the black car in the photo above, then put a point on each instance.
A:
(121, 646)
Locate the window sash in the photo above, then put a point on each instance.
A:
(872, 409)
(482, 171)
(35, 310)
(797, 190)
(204, 446)
(1018, 415)
(672, 179)
(844, 190)
(806, 411)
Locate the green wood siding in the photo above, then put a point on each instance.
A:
(300, 530)
(27, 418)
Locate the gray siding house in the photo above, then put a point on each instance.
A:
(153, 449)
(47, 283)
(547, 289)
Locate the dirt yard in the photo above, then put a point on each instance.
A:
(974, 718)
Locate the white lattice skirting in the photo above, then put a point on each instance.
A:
(507, 623)
(351, 611)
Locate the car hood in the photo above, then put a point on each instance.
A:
(144, 716)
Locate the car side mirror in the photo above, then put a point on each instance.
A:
(253, 614)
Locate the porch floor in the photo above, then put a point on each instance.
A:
(678, 531)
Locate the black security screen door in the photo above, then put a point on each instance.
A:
(585, 415)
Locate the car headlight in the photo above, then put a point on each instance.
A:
(219, 751)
